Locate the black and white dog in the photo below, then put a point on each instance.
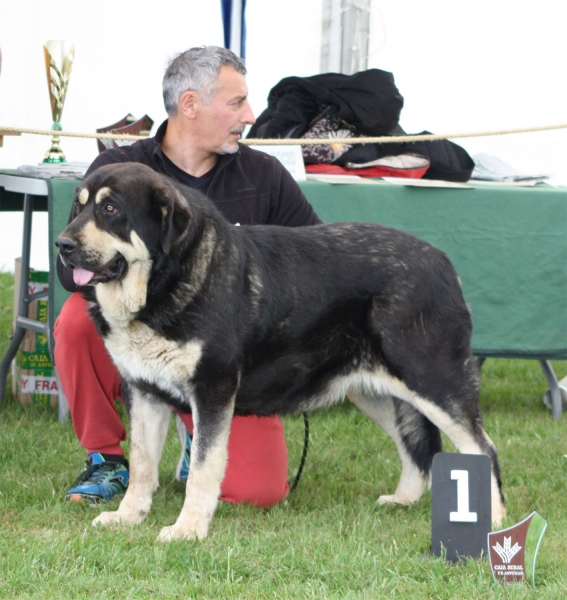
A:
(221, 320)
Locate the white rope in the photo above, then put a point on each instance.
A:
(388, 139)
(301, 141)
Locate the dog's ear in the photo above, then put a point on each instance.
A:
(176, 216)
(81, 195)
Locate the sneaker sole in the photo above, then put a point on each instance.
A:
(78, 499)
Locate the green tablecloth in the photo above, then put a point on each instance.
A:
(61, 194)
(509, 245)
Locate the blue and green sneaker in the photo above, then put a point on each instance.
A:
(182, 471)
(100, 481)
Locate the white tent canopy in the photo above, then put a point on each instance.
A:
(461, 67)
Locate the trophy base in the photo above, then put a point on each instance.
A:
(55, 155)
(54, 158)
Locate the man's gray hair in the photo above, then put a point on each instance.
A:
(196, 69)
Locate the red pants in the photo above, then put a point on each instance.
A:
(257, 465)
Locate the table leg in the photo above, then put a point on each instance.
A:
(23, 323)
(22, 308)
(554, 389)
(555, 392)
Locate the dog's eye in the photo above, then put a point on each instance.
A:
(110, 208)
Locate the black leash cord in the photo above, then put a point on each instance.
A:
(303, 456)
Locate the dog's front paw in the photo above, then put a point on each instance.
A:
(107, 518)
(170, 534)
(119, 517)
(174, 532)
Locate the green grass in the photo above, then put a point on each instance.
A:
(328, 540)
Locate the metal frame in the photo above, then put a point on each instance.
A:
(554, 389)
(29, 187)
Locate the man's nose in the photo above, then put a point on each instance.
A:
(248, 117)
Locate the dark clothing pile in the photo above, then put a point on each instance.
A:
(366, 104)
(368, 100)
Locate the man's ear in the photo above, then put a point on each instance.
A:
(188, 104)
(176, 216)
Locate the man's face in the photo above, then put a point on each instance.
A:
(222, 122)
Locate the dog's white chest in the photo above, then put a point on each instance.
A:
(140, 353)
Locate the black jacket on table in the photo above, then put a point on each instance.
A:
(248, 187)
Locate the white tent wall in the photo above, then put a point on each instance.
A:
(487, 65)
(461, 67)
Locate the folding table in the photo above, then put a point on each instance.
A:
(508, 244)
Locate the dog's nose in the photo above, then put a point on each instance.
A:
(65, 245)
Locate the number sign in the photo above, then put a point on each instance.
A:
(460, 505)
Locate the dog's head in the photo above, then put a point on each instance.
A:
(122, 214)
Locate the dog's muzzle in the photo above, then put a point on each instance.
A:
(83, 275)
(66, 246)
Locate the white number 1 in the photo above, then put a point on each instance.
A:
(463, 515)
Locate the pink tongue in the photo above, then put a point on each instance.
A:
(82, 277)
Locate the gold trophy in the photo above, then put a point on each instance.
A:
(58, 64)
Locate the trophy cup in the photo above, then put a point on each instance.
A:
(58, 63)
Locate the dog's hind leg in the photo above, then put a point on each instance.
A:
(464, 428)
(149, 420)
(416, 439)
(206, 472)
